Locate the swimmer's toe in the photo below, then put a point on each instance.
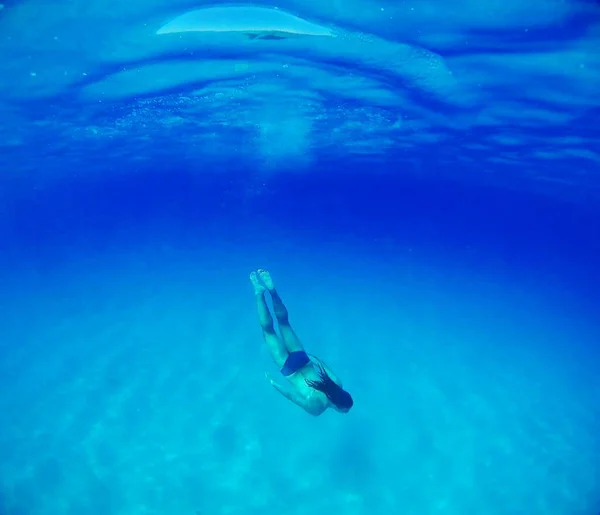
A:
(266, 278)
(258, 287)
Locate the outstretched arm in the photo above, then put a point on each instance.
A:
(296, 398)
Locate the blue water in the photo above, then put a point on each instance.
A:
(422, 181)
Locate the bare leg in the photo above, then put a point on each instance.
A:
(276, 347)
(291, 341)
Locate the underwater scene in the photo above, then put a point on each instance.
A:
(300, 257)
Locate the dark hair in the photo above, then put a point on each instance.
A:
(338, 396)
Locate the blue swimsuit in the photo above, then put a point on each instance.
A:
(294, 362)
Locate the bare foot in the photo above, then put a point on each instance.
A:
(258, 287)
(266, 278)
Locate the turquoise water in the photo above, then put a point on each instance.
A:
(422, 182)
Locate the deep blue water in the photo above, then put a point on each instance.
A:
(422, 182)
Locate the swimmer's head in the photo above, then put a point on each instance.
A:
(340, 398)
(342, 401)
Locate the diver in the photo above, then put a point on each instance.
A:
(311, 383)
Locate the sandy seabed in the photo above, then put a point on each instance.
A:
(153, 401)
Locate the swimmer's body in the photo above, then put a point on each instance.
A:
(312, 384)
